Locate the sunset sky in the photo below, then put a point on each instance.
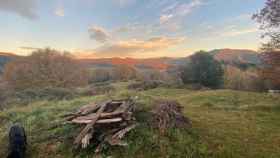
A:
(128, 28)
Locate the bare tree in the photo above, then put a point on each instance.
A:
(45, 68)
(269, 19)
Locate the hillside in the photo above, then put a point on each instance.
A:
(231, 56)
(152, 63)
(5, 58)
(226, 124)
(228, 56)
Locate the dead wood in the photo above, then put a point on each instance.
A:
(91, 124)
(168, 114)
(107, 122)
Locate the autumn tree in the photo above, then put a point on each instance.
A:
(238, 79)
(100, 75)
(45, 68)
(269, 19)
(124, 72)
(203, 69)
(270, 70)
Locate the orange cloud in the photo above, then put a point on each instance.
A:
(132, 47)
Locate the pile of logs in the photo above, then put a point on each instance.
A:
(106, 122)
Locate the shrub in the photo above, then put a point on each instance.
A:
(271, 69)
(153, 75)
(45, 68)
(203, 69)
(124, 72)
(237, 79)
(100, 75)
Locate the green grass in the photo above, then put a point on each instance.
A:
(226, 124)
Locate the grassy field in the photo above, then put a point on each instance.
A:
(226, 124)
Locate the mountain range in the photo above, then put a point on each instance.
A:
(227, 56)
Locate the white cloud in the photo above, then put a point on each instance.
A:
(182, 9)
(165, 18)
(186, 8)
(24, 8)
(99, 34)
(171, 17)
(59, 12)
(239, 32)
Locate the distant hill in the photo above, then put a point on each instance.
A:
(150, 63)
(236, 56)
(227, 56)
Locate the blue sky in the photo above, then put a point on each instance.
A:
(128, 28)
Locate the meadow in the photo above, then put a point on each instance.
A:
(225, 124)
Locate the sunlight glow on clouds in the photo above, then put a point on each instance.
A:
(126, 48)
(128, 27)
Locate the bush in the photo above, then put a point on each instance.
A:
(153, 75)
(100, 75)
(237, 79)
(270, 71)
(45, 68)
(124, 72)
(203, 69)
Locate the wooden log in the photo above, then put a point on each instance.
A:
(82, 111)
(86, 140)
(121, 110)
(120, 134)
(91, 124)
(116, 138)
(102, 115)
(88, 109)
(104, 121)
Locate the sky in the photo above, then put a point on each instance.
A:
(128, 28)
